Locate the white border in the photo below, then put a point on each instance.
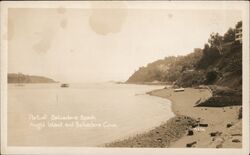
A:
(246, 84)
(198, 5)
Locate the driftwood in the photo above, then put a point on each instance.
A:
(203, 125)
(191, 144)
(236, 134)
(236, 140)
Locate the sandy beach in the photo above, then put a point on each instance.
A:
(217, 119)
(219, 126)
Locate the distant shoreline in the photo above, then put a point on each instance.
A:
(19, 78)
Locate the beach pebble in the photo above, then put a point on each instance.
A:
(194, 125)
(159, 139)
(219, 145)
(190, 133)
(217, 133)
(229, 125)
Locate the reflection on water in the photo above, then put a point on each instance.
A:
(82, 114)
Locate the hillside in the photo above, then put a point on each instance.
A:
(218, 63)
(21, 78)
(160, 69)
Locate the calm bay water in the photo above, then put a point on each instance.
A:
(82, 114)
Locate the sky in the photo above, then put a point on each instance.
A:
(92, 45)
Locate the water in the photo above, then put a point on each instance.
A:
(97, 113)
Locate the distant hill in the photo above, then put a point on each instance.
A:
(21, 78)
(219, 62)
(166, 70)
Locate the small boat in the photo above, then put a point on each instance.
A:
(64, 85)
(179, 89)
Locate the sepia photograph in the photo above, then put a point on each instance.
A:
(125, 75)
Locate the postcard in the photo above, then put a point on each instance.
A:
(125, 77)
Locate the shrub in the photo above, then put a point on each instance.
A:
(211, 76)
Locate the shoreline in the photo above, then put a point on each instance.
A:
(149, 138)
(215, 135)
(158, 137)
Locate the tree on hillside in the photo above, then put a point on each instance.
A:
(209, 56)
(239, 24)
(211, 76)
(206, 47)
(215, 40)
(229, 36)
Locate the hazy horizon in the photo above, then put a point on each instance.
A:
(84, 45)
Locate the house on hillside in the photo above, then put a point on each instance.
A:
(238, 32)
